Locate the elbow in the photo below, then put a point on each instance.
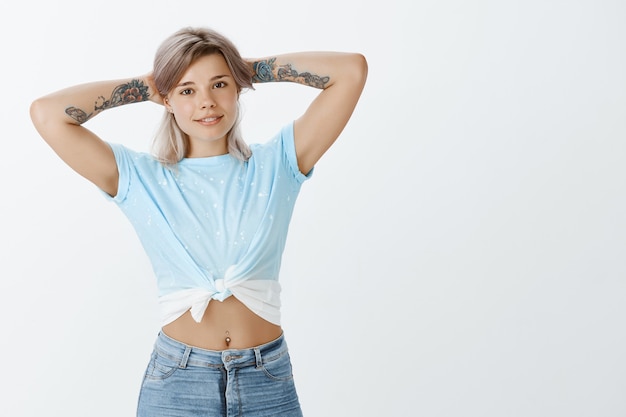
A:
(42, 118)
(42, 115)
(359, 68)
(361, 62)
(38, 113)
(34, 110)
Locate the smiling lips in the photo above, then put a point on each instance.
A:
(209, 120)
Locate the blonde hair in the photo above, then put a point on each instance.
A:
(171, 60)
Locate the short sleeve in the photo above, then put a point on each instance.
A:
(289, 149)
(123, 159)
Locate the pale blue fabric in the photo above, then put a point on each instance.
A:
(214, 226)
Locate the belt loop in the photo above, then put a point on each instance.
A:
(259, 359)
(185, 358)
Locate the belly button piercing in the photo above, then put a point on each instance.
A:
(227, 338)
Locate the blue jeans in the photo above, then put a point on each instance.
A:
(185, 381)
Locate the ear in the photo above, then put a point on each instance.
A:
(167, 105)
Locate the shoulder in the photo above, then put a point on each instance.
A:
(278, 142)
(273, 147)
(136, 170)
(280, 151)
(128, 156)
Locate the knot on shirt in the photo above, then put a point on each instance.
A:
(222, 290)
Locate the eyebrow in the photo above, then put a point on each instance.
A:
(215, 78)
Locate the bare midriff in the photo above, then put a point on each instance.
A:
(225, 325)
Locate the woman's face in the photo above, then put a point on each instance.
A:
(204, 104)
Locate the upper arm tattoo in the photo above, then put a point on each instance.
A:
(77, 114)
(132, 92)
(267, 71)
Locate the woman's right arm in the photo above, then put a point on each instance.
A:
(58, 117)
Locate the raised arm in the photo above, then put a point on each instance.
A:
(58, 118)
(340, 76)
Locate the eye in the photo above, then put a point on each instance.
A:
(219, 84)
(186, 91)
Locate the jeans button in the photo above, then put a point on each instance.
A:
(228, 358)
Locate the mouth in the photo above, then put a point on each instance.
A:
(207, 121)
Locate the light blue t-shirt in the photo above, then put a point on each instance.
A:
(213, 227)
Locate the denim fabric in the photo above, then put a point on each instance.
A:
(185, 381)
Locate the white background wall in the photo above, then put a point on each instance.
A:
(459, 252)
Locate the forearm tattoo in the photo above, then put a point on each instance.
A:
(132, 92)
(267, 71)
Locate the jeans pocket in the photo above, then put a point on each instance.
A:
(161, 367)
(278, 368)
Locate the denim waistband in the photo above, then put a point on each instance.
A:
(187, 355)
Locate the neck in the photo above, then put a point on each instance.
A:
(203, 149)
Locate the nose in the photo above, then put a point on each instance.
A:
(207, 100)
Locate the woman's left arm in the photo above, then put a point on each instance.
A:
(340, 76)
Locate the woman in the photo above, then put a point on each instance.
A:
(211, 212)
